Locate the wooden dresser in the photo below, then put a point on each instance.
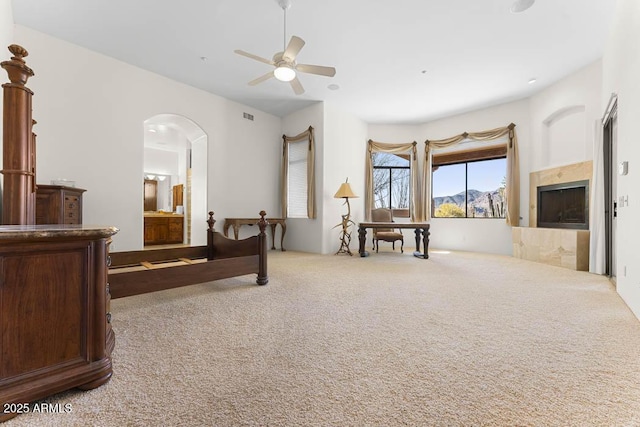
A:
(57, 204)
(55, 330)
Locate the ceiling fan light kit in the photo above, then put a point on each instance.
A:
(284, 73)
(285, 61)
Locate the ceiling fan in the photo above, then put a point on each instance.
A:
(285, 62)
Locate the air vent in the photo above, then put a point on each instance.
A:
(247, 116)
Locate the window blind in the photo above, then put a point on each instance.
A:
(297, 185)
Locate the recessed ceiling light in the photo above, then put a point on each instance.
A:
(203, 58)
(424, 71)
(152, 130)
(532, 80)
(519, 6)
(333, 86)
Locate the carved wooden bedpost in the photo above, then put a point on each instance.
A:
(210, 232)
(263, 278)
(18, 198)
(211, 222)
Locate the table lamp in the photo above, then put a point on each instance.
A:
(345, 192)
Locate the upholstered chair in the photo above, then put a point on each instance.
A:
(385, 234)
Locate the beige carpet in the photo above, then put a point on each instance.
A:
(459, 339)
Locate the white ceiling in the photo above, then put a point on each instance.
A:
(474, 53)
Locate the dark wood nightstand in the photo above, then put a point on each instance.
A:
(57, 204)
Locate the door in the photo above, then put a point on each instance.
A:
(610, 145)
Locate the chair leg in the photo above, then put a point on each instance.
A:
(393, 245)
(377, 245)
(401, 246)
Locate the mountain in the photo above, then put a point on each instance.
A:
(478, 204)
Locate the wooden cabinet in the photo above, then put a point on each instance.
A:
(163, 229)
(57, 204)
(150, 195)
(178, 192)
(110, 337)
(55, 331)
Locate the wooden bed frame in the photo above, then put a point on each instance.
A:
(138, 272)
(62, 270)
(220, 258)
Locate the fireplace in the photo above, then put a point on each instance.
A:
(564, 205)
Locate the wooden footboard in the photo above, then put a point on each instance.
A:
(138, 272)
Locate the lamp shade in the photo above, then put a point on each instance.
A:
(345, 191)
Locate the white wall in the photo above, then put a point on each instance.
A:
(6, 27)
(555, 127)
(396, 134)
(345, 139)
(494, 236)
(91, 111)
(199, 193)
(304, 234)
(160, 161)
(340, 146)
(621, 74)
(563, 118)
(483, 234)
(6, 38)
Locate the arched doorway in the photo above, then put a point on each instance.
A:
(175, 169)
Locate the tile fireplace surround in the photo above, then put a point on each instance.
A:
(555, 246)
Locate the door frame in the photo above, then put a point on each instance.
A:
(609, 138)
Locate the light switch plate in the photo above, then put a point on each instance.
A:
(623, 168)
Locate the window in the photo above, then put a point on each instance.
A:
(469, 184)
(297, 185)
(391, 182)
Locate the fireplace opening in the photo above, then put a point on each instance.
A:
(564, 205)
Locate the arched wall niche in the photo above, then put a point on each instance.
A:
(175, 153)
(564, 135)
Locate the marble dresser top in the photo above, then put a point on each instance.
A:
(12, 232)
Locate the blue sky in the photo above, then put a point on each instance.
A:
(483, 176)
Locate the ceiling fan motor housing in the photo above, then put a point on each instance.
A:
(279, 60)
(284, 4)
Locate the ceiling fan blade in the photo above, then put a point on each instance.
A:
(292, 50)
(252, 56)
(261, 79)
(316, 69)
(297, 86)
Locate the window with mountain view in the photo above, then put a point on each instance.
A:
(391, 178)
(469, 188)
